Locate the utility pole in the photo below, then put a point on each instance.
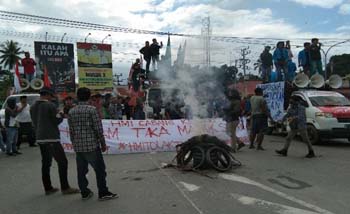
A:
(206, 35)
(243, 64)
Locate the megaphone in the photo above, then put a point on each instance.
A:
(334, 81)
(24, 84)
(301, 80)
(317, 81)
(37, 84)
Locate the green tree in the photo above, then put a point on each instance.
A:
(339, 64)
(10, 52)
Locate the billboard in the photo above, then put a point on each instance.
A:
(58, 58)
(95, 66)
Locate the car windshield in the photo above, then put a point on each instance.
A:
(329, 101)
(30, 99)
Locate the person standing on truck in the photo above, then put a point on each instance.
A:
(46, 120)
(259, 116)
(147, 55)
(25, 123)
(280, 58)
(315, 57)
(155, 53)
(297, 121)
(11, 127)
(304, 58)
(266, 64)
(28, 66)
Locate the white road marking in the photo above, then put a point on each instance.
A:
(190, 187)
(176, 185)
(245, 180)
(272, 207)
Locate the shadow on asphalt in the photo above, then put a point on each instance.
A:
(334, 143)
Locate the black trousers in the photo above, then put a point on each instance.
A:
(56, 151)
(25, 129)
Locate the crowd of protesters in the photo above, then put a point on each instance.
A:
(309, 59)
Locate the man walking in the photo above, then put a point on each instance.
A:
(28, 65)
(259, 116)
(88, 141)
(25, 123)
(297, 121)
(46, 120)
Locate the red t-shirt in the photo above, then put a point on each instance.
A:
(28, 65)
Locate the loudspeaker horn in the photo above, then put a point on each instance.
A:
(37, 84)
(24, 84)
(335, 81)
(317, 81)
(301, 80)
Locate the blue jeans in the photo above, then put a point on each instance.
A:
(2, 145)
(29, 77)
(95, 159)
(279, 69)
(11, 142)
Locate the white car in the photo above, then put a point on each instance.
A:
(31, 98)
(327, 115)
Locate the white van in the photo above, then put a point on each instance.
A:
(327, 113)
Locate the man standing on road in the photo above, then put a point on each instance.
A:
(88, 141)
(297, 121)
(28, 65)
(46, 120)
(232, 112)
(25, 123)
(259, 116)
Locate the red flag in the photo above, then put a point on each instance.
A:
(17, 79)
(46, 78)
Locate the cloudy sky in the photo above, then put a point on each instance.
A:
(266, 20)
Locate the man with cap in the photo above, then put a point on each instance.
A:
(46, 119)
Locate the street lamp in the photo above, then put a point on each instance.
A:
(105, 38)
(87, 37)
(63, 37)
(326, 52)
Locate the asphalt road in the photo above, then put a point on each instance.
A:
(266, 183)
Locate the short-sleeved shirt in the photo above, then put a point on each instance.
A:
(28, 65)
(256, 102)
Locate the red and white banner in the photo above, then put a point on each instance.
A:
(135, 136)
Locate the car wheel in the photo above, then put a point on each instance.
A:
(313, 134)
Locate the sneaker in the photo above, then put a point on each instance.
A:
(251, 146)
(281, 152)
(70, 191)
(240, 146)
(107, 196)
(311, 154)
(17, 153)
(51, 191)
(86, 196)
(10, 154)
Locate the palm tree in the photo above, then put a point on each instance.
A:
(10, 52)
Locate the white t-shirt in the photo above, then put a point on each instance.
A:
(24, 115)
